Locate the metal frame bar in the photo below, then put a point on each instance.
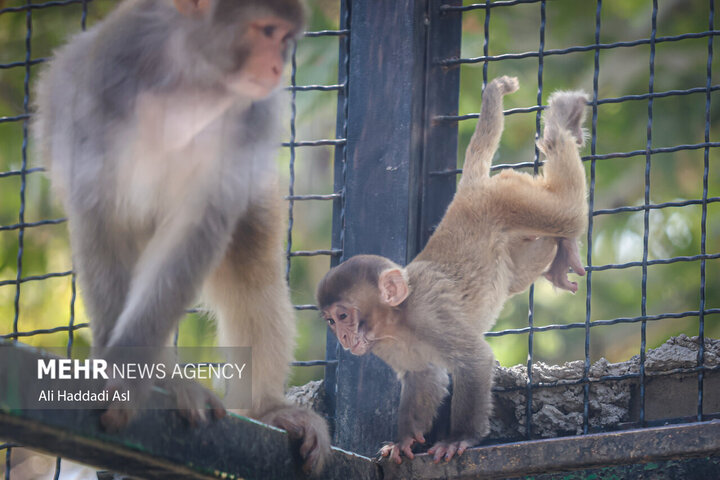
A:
(390, 202)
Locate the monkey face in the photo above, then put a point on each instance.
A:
(348, 327)
(262, 51)
(359, 299)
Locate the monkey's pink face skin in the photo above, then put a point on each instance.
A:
(345, 322)
(269, 39)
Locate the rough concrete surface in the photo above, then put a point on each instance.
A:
(558, 410)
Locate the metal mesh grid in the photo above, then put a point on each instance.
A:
(295, 144)
(649, 152)
(292, 152)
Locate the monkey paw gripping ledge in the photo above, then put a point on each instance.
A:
(159, 445)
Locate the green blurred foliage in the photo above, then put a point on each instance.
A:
(621, 127)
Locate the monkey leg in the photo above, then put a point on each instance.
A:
(250, 296)
(471, 404)
(552, 204)
(488, 130)
(566, 112)
(421, 395)
(253, 309)
(563, 172)
(538, 206)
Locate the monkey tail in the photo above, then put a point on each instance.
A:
(486, 138)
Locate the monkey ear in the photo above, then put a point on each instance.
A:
(192, 8)
(393, 286)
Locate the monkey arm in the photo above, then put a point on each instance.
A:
(471, 402)
(177, 258)
(486, 137)
(421, 394)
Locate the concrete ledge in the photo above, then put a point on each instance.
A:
(569, 453)
(160, 445)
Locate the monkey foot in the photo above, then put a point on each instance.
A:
(449, 449)
(507, 84)
(309, 429)
(404, 446)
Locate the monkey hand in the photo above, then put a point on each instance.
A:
(119, 413)
(449, 448)
(194, 401)
(309, 429)
(404, 446)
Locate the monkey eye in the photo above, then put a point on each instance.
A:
(342, 316)
(330, 321)
(269, 30)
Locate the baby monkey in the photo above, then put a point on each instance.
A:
(498, 235)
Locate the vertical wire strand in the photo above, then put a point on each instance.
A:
(8, 462)
(345, 25)
(591, 205)
(703, 220)
(83, 17)
(486, 44)
(538, 114)
(531, 294)
(23, 167)
(73, 276)
(58, 462)
(345, 91)
(291, 186)
(646, 215)
(23, 186)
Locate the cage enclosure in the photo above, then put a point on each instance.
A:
(620, 379)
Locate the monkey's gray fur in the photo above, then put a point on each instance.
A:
(167, 177)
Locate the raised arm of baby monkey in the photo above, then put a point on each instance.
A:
(499, 234)
(159, 127)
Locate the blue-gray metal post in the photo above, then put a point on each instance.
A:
(394, 91)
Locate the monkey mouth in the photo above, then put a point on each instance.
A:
(360, 347)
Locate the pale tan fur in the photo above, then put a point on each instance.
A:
(499, 234)
(249, 284)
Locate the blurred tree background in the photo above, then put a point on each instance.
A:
(621, 127)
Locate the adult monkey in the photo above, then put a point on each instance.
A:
(159, 127)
